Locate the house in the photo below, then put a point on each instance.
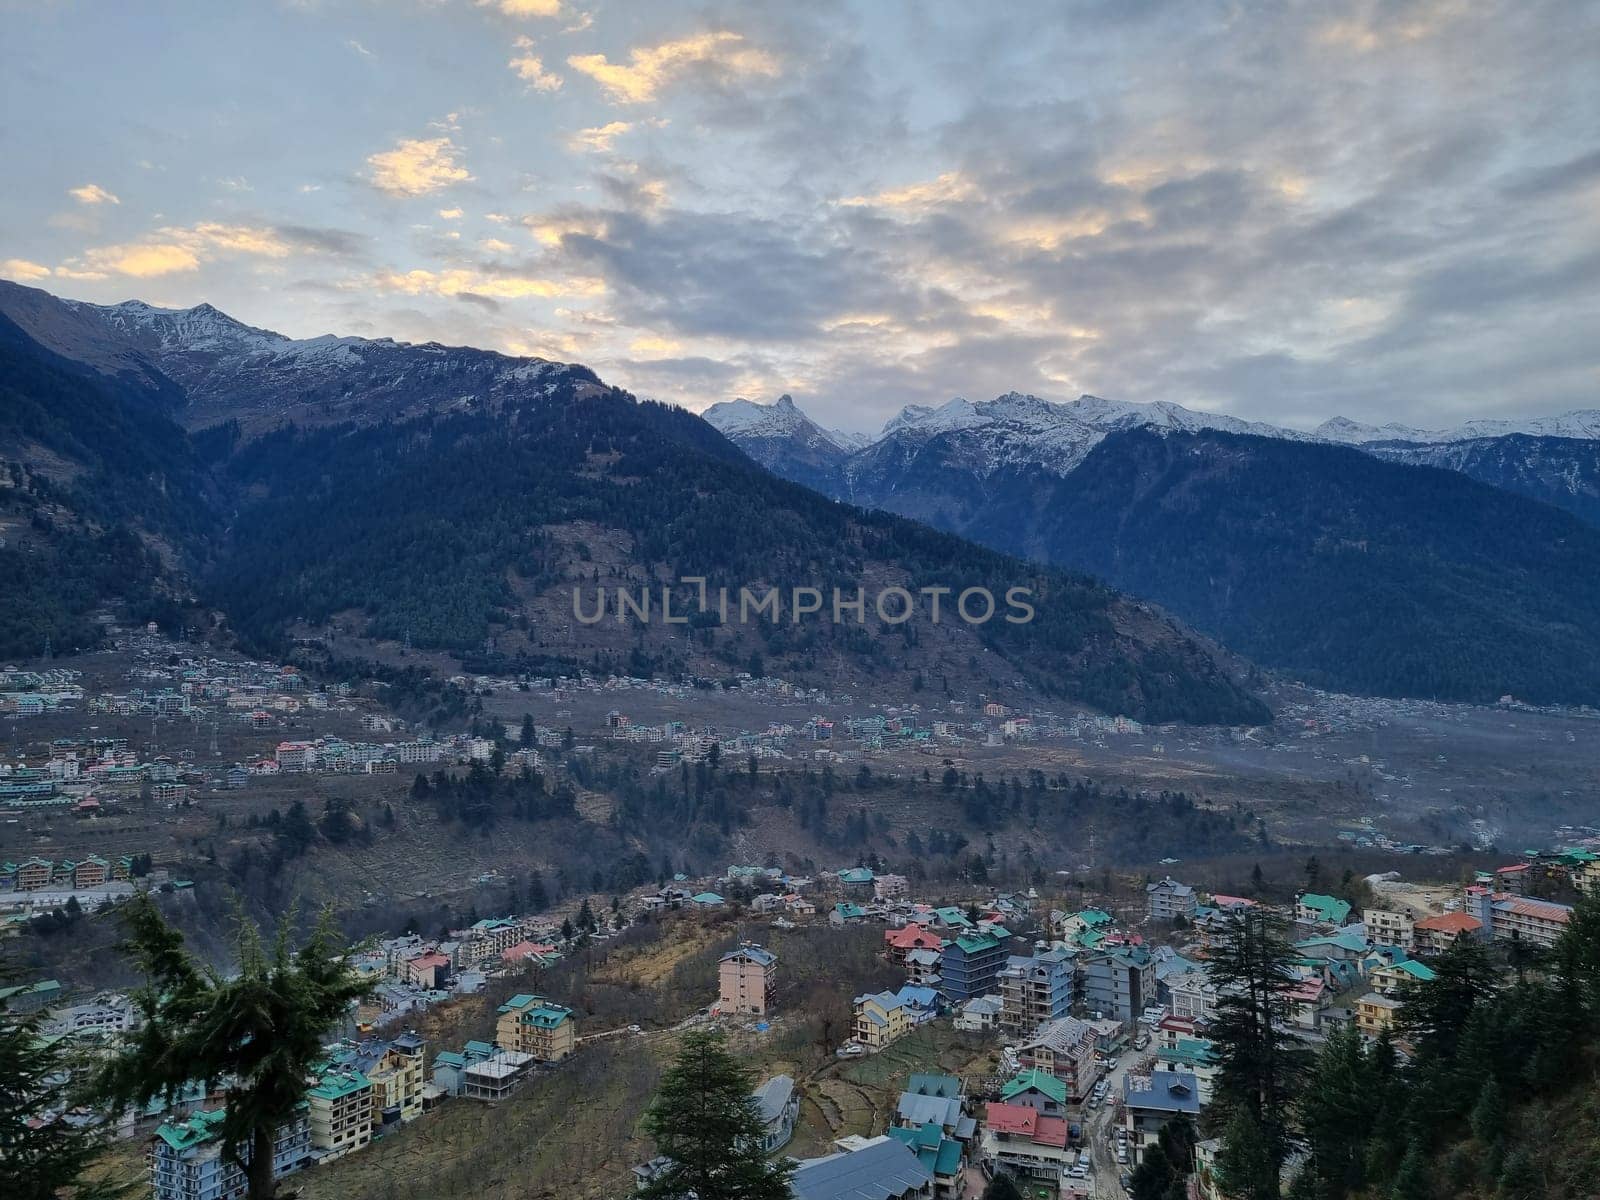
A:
(1167, 900)
(898, 943)
(745, 979)
(430, 970)
(1316, 909)
(1386, 927)
(1306, 1001)
(922, 968)
(1026, 1143)
(1065, 1049)
(943, 1155)
(340, 1113)
(1376, 1013)
(1036, 1088)
(979, 1014)
(706, 900)
(1192, 995)
(779, 1103)
(970, 965)
(533, 1025)
(890, 887)
(1150, 1101)
(1388, 981)
(880, 1168)
(857, 879)
(881, 1018)
(846, 913)
(186, 1160)
(1037, 989)
(1434, 935)
(22, 998)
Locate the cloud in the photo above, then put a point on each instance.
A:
(417, 166)
(950, 188)
(21, 268)
(174, 250)
(450, 214)
(458, 281)
(360, 49)
(92, 193)
(529, 68)
(525, 8)
(600, 137)
(720, 55)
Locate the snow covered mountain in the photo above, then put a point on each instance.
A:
(1582, 423)
(784, 440)
(227, 369)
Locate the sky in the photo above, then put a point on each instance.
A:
(1285, 211)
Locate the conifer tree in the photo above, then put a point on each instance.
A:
(706, 1122)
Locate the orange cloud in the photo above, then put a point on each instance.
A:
(649, 69)
(417, 166)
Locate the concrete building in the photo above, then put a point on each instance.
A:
(1065, 1049)
(1036, 990)
(970, 965)
(1118, 983)
(535, 1026)
(1150, 1101)
(1168, 899)
(186, 1161)
(1386, 927)
(745, 979)
(340, 1113)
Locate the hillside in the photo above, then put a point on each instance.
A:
(1357, 573)
(452, 500)
(1563, 471)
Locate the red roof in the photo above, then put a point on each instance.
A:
(913, 937)
(432, 959)
(1232, 901)
(1011, 1118)
(1451, 922)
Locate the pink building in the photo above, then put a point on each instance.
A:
(745, 978)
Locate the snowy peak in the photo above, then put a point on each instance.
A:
(1582, 424)
(744, 421)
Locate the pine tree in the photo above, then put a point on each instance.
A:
(40, 1155)
(1002, 1187)
(1258, 1064)
(1246, 1166)
(706, 1122)
(1335, 1115)
(256, 1033)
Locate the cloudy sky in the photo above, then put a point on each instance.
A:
(1280, 210)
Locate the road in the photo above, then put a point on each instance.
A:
(1101, 1128)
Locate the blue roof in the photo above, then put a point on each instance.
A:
(878, 1171)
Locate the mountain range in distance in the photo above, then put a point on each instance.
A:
(1458, 566)
(340, 498)
(311, 491)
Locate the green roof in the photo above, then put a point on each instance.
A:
(1329, 908)
(1094, 916)
(972, 943)
(337, 1084)
(201, 1127)
(1417, 970)
(1036, 1080)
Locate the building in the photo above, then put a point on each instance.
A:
(898, 943)
(1036, 990)
(1167, 899)
(1388, 928)
(779, 1103)
(396, 1070)
(1434, 935)
(979, 1014)
(1316, 909)
(340, 1113)
(496, 1077)
(186, 1161)
(1065, 1049)
(1118, 983)
(1026, 1143)
(1038, 1089)
(971, 964)
(881, 1168)
(1150, 1101)
(535, 1026)
(745, 979)
(1509, 917)
(1192, 995)
(882, 1018)
(1376, 1013)
(1389, 980)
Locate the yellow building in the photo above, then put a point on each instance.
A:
(881, 1018)
(340, 1113)
(397, 1077)
(1388, 928)
(536, 1026)
(1375, 1013)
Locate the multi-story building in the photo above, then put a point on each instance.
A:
(745, 979)
(1192, 996)
(1315, 909)
(1118, 983)
(1434, 935)
(1065, 1049)
(1168, 899)
(34, 873)
(1375, 1013)
(1517, 918)
(970, 965)
(1388, 928)
(1150, 1102)
(1026, 1143)
(340, 1113)
(396, 1068)
(1036, 990)
(900, 943)
(881, 1018)
(533, 1025)
(186, 1161)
